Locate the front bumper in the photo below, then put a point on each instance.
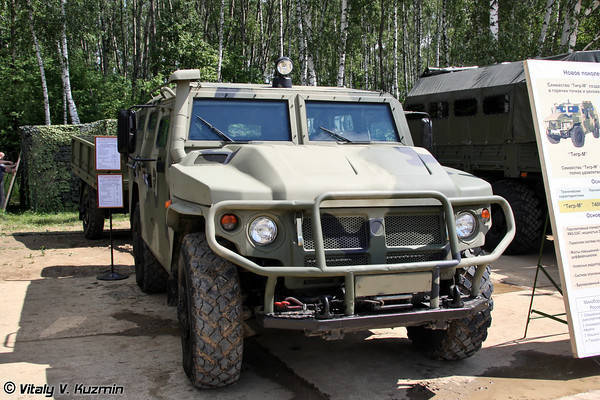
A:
(352, 323)
(350, 271)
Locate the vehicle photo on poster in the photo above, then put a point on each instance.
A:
(572, 120)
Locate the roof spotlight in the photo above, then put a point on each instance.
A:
(283, 67)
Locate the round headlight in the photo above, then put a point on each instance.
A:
(465, 225)
(284, 66)
(263, 231)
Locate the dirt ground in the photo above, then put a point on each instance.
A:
(61, 327)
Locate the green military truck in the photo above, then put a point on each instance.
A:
(305, 208)
(572, 121)
(482, 123)
(83, 165)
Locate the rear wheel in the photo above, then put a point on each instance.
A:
(209, 310)
(577, 136)
(463, 337)
(150, 276)
(528, 210)
(596, 130)
(92, 216)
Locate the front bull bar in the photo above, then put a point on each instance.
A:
(348, 271)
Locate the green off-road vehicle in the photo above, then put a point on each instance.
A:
(573, 121)
(304, 208)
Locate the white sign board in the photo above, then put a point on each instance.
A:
(565, 101)
(107, 155)
(110, 191)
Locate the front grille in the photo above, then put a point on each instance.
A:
(403, 258)
(413, 230)
(339, 260)
(343, 232)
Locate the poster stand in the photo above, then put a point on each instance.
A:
(110, 191)
(111, 275)
(541, 267)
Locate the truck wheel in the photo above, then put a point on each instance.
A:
(596, 130)
(92, 216)
(577, 136)
(209, 310)
(464, 336)
(150, 276)
(551, 139)
(528, 210)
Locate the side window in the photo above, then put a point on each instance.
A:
(499, 104)
(163, 132)
(151, 123)
(438, 110)
(415, 107)
(465, 107)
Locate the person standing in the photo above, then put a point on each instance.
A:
(8, 167)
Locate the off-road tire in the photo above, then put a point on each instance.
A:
(150, 276)
(552, 139)
(596, 130)
(209, 310)
(463, 337)
(528, 210)
(92, 216)
(577, 136)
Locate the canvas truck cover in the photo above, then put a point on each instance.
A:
(500, 113)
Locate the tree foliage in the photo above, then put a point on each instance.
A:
(120, 50)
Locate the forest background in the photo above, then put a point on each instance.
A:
(72, 61)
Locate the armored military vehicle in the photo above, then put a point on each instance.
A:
(305, 208)
(572, 121)
(482, 124)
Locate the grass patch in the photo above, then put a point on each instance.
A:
(66, 221)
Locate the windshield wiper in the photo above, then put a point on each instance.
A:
(216, 130)
(335, 135)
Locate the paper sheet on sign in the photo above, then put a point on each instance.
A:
(107, 155)
(110, 191)
(564, 95)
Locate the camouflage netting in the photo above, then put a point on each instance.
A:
(47, 182)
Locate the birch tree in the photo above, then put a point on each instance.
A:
(544, 31)
(64, 57)
(344, 34)
(221, 28)
(395, 83)
(494, 28)
(40, 60)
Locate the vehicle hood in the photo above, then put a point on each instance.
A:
(303, 172)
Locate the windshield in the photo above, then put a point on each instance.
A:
(350, 122)
(239, 120)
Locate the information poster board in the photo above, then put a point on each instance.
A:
(110, 191)
(107, 155)
(565, 102)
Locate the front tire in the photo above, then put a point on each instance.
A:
(209, 311)
(578, 136)
(528, 210)
(464, 337)
(150, 276)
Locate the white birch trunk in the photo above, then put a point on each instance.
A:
(310, 65)
(40, 60)
(280, 28)
(64, 54)
(395, 84)
(494, 19)
(575, 26)
(301, 44)
(545, 24)
(344, 33)
(221, 23)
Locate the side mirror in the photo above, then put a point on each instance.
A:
(126, 131)
(426, 133)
